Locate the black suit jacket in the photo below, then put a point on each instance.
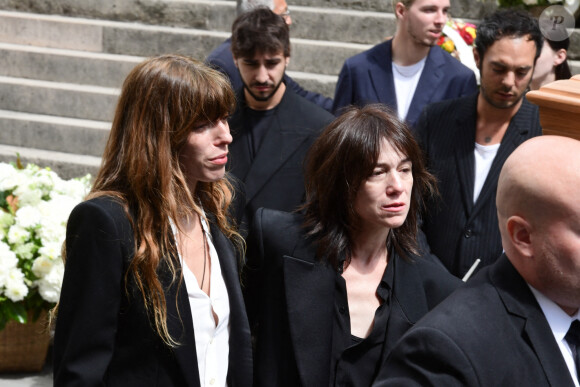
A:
(458, 230)
(274, 178)
(491, 332)
(291, 296)
(222, 60)
(368, 78)
(103, 335)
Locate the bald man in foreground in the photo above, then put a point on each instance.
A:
(508, 325)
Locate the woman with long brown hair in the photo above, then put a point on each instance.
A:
(332, 289)
(151, 295)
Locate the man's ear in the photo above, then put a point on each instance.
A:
(287, 59)
(560, 57)
(520, 235)
(400, 10)
(236, 62)
(476, 58)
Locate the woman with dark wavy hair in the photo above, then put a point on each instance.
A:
(332, 289)
(151, 293)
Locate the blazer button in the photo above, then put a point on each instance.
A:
(342, 310)
(468, 233)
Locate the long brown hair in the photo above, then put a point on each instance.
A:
(161, 101)
(340, 160)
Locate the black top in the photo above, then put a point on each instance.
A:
(257, 122)
(354, 360)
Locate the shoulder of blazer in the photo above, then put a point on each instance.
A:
(297, 111)
(378, 55)
(281, 230)
(528, 119)
(443, 116)
(453, 67)
(112, 208)
(417, 275)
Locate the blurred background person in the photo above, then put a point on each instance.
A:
(151, 295)
(552, 64)
(331, 290)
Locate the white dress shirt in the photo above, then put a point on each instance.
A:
(211, 340)
(559, 322)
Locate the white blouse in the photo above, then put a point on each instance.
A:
(211, 341)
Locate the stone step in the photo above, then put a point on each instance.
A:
(311, 22)
(108, 70)
(57, 98)
(60, 134)
(134, 39)
(459, 8)
(61, 65)
(67, 165)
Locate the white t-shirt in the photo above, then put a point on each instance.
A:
(406, 79)
(484, 155)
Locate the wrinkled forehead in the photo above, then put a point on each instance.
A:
(390, 154)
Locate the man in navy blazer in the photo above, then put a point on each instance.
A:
(272, 127)
(407, 72)
(510, 324)
(221, 57)
(468, 139)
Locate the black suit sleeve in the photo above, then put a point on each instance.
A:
(427, 357)
(90, 298)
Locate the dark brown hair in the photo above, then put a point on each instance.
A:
(562, 71)
(260, 31)
(340, 160)
(162, 100)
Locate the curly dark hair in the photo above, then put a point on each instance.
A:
(507, 23)
(260, 31)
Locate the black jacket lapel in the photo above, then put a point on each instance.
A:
(431, 76)
(240, 367)
(381, 76)
(527, 314)
(309, 289)
(180, 327)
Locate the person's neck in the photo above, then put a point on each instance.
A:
(539, 82)
(407, 52)
(369, 247)
(268, 104)
(491, 114)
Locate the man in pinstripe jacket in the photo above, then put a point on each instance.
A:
(467, 141)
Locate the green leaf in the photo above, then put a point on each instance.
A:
(17, 312)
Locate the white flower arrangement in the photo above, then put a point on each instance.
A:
(35, 204)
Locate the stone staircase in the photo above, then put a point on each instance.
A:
(63, 62)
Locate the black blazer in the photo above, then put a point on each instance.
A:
(491, 332)
(274, 178)
(103, 335)
(459, 231)
(291, 295)
(368, 78)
